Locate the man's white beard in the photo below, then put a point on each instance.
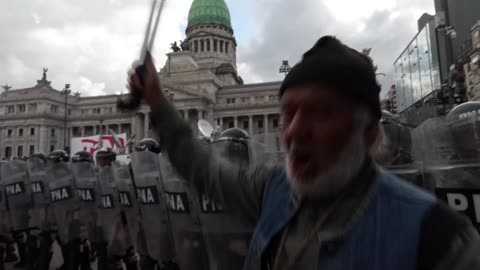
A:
(336, 177)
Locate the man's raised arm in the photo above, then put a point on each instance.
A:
(239, 187)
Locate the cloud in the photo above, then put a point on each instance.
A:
(90, 44)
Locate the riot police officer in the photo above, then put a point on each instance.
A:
(18, 196)
(183, 204)
(63, 219)
(227, 237)
(82, 253)
(157, 245)
(37, 166)
(450, 151)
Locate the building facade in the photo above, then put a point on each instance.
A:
(389, 102)
(417, 73)
(202, 81)
(470, 61)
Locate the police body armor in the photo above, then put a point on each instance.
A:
(184, 204)
(155, 224)
(226, 235)
(450, 150)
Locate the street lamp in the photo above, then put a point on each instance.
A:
(285, 68)
(65, 92)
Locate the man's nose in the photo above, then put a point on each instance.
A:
(297, 126)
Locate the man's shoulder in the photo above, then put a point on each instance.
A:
(396, 188)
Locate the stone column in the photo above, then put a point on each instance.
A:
(119, 128)
(43, 140)
(82, 131)
(265, 126)
(250, 125)
(95, 130)
(132, 126)
(221, 123)
(235, 121)
(71, 136)
(145, 125)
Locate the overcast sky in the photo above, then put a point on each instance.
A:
(90, 44)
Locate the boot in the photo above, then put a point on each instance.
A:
(132, 259)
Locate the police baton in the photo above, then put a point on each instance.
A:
(134, 99)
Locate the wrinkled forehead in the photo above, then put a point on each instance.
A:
(313, 95)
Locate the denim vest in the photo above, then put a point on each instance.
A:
(385, 236)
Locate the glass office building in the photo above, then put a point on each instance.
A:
(417, 70)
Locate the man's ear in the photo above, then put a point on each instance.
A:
(371, 133)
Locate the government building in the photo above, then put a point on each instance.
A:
(201, 79)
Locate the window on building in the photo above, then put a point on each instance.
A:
(22, 108)
(54, 109)
(108, 110)
(84, 111)
(231, 124)
(243, 100)
(8, 151)
(260, 123)
(10, 109)
(53, 132)
(20, 132)
(20, 151)
(32, 131)
(32, 107)
(259, 99)
(96, 111)
(202, 45)
(221, 45)
(208, 45)
(9, 133)
(245, 124)
(272, 98)
(69, 111)
(195, 45)
(52, 148)
(215, 45)
(32, 150)
(226, 47)
(275, 123)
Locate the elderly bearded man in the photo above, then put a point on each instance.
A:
(332, 207)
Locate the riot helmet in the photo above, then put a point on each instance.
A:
(105, 156)
(396, 141)
(464, 126)
(57, 156)
(82, 156)
(233, 144)
(148, 144)
(40, 156)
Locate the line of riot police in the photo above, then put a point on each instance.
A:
(58, 212)
(442, 155)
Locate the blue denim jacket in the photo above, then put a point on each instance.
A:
(385, 236)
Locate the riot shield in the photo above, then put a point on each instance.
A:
(154, 215)
(64, 203)
(449, 152)
(227, 236)
(40, 193)
(109, 219)
(14, 176)
(184, 210)
(129, 212)
(86, 184)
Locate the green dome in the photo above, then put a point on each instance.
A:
(209, 12)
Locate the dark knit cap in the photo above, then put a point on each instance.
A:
(342, 68)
